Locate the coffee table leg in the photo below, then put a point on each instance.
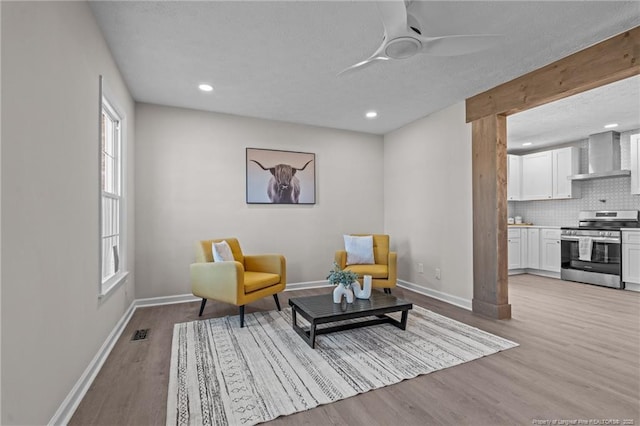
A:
(312, 335)
(403, 320)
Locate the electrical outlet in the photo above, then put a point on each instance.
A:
(421, 268)
(438, 273)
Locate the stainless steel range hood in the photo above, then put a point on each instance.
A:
(604, 157)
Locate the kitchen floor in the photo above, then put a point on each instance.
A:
(577, 360)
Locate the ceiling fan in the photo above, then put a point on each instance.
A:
(403, 38)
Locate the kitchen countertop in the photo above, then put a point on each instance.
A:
(535, 226)
(558, 227)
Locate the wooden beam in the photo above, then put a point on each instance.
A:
(490, 263)
(611, 60)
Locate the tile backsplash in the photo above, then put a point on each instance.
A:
(597, 194)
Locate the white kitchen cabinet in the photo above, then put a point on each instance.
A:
(550, 250)
(635, 164)
(524, 246)
(566, 162)
(514, 177)
(544, 175)
(533, 248)
(537, 176)
(514, 244)
(631, 257)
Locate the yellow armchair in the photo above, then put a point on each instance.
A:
(240, 281)
(384, 272)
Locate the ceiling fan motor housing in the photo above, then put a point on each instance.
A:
(402, 47)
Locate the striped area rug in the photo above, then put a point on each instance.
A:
(224, 375)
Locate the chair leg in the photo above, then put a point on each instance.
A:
(387, 290)
(275, 297)
(242, 316)
(204, 302)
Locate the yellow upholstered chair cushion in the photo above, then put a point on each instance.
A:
(376, 271)
(258, 280)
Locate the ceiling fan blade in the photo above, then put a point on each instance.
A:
(394, 17)
(376, 56)
(458, 44)
(363, 64)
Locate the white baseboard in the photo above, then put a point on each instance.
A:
(166, 300)
(445, 297)
(631, 286)
(307, 285)
(540, 272)
(64, 413)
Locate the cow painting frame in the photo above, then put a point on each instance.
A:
(280, 177)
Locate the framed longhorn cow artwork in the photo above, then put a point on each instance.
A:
(280, 177)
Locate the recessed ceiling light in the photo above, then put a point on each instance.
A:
(527, 144)
(371, 114)
(205, 87)
(611, 126)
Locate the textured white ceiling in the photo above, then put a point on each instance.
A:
(279, 60)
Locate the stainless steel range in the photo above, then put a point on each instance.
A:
(591, 252)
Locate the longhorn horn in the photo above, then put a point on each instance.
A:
(263, 167)
(303, 167)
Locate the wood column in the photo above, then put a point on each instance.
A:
(490, 263)
(603, 63)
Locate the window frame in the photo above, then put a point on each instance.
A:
(109, 105)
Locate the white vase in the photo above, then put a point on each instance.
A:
(349, 295)
(365, 292)
(340, 291)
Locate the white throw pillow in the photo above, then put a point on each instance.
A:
(359, 250)
(221, 252)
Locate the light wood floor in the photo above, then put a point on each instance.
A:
(578, 359)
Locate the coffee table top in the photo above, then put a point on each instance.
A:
(322, 306)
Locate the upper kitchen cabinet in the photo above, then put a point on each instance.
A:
(514, 177)
(635, 164)
(544, 175)
(566, 162)
(537, 176)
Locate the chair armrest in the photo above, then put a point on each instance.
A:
(223, 281)
(271, 263)
(341, 258)
(393, 266)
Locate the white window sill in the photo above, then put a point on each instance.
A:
(109, 286)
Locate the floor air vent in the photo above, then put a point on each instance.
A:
(140, 334)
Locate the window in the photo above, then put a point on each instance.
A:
(112, 200)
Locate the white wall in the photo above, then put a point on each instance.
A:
(52, 321)
(190, 185)
(428, 202)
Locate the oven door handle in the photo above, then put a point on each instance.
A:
(594, 239)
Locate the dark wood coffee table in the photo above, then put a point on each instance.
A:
(321, 310)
